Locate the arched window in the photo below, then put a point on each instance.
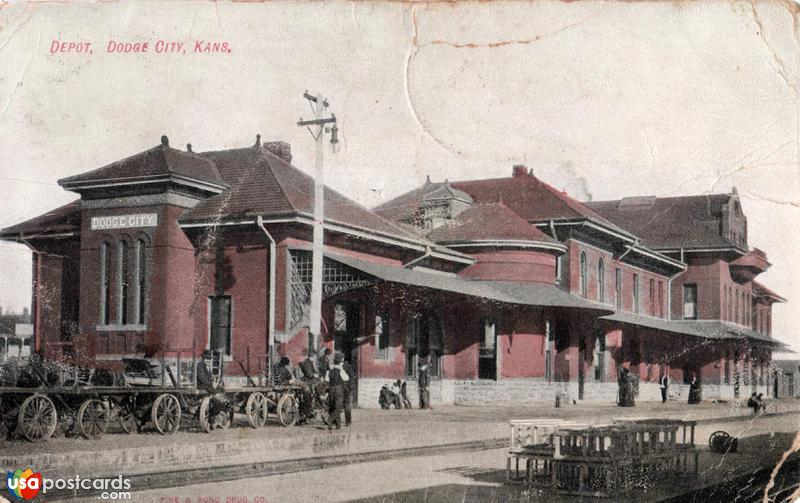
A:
(141, 282)
(105, 271)
(601, 280)
(123, 262)
(583, 274)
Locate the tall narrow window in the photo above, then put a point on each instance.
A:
(559, 269)
(141, 282)
(736, 309)
(122, 283)
(600, 357)
(382, 337)
(690, 302)
(412, 338)
(583, 274)
(601, 280)
(636, 293)
(618, 287)
(652, 297)
(660, 299)
(548, 353)
(105, 297)
(219, 327)
(730, 304)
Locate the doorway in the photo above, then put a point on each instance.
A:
(346, 330)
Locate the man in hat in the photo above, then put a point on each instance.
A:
(423, 381)
(337, 380)
(281, 373)
(308, 367)
(324, 363)
(348, 392)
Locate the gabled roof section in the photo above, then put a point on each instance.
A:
(524, 194)
(489, 222)
(263, 184)
(62, 220)
(446, 192)
(157, 163)
(666, 223)
(760, 290)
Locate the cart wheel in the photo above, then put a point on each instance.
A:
(256, 409)
(93, 418)
(288, 410)
(127, 420)
(37, 418)
(208, 422)
(166, 414)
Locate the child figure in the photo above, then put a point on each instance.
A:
(404, 394)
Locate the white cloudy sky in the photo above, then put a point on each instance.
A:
(605, 99)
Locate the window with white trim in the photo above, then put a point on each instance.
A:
(690, 302)
(601, 280)
(583, 274)
(382, 336)
(219, 324)
(105, 294)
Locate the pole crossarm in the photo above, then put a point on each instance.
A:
(316, 122)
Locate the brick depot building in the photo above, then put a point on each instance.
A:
(514, 289)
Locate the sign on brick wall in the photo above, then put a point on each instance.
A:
(125, 221)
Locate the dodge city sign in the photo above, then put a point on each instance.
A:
(125, 221)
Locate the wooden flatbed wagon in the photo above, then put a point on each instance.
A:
(75, 404)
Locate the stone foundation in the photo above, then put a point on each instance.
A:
(481, 392)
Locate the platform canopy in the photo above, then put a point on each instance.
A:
(707, 329)
(530, 294)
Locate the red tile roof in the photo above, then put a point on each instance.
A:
(65, 219)
(161, 160)
(525, 195)
(671, 222)
(763, 291)
(490, 221)
(263, 184)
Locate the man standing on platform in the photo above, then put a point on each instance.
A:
(348, 389)
(423, 381)
(337, 380)
(664, 385)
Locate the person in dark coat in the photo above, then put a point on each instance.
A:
(281, 374)
(423, 381)
(663, 383)
(324, 363)
(348, 393)
(337, 380)
(308, 367)
(694, 390)
(622, 385)
(310, 378)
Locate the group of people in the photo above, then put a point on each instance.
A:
(331, 373)
(396, 393)
(627, 383)
(757, 403)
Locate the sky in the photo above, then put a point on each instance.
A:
(602, 99)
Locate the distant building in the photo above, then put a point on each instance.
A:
(513, 289)
(787, 378)
(16, 335)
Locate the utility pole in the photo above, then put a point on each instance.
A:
(317, 127)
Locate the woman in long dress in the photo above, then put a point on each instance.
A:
(694, 390)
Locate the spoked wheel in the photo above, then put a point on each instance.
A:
(256, 409)
(166, 414)
(210, 420)
(127, 420)
(37, 418)
(288, 410)
(93, 418)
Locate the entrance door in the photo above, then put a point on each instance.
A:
(487, 357)
(347, 328)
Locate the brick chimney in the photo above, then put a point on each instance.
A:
(280, 149)
(519, 170)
